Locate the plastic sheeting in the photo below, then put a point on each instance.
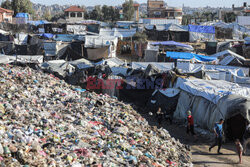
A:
(201, 29)
(117, 32)
(159, 66)
(59, 67)
(99, 41)
(186, 55)
(112, 62)
(77, 29)
(195, 36)
(173, 43)
(212, 90)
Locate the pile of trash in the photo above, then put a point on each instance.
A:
(46, 122)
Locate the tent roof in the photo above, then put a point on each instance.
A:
(171, 43)
(184, 55)
(73, 9)
(22, 15)
(201, 29)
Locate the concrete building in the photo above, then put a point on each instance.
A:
(137, 12)
(74, 14)
(157, 9)
(242, 11)
(6, 15)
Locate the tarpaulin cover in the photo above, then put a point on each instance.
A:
(206, 114)
(68, 37)
(47, 35)
(201, 29)
(171, 43)
(186, 55)
(22, 15)
(212, 90)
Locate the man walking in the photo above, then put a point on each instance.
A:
(218, 130)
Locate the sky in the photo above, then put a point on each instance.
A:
(174, 3)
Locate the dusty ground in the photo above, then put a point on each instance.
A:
(200, 154)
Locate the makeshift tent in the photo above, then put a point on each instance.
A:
(117, 32)
(22, 18)
(186, 55)
(228, 57)
(161, 66)
(167, 99)
(209, 101)
(112, 62)
(202, 33)
(174, 45)
(60, 68)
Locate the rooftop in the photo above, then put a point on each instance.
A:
(2, 10)
(73, 9)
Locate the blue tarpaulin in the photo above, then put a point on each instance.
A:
(173, 43)
(39, 22)
(22, 15)
(68, 37)
(188, 56)
(47, 35)
(201, 29)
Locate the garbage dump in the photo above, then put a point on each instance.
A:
(46, 122)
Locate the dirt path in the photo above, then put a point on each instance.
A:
(200, 154)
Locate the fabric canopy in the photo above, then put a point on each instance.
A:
(201, 29)
(188, 56)
(170, 43)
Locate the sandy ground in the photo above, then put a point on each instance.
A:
(201, 157)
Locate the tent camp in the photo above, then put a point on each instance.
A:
(202, 33)
(209, 101)
(169, 31)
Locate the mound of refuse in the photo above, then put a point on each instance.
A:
(46, 122)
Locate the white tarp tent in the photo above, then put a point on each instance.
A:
(210, 101)
(201, 33)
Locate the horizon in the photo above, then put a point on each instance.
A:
(174, 3)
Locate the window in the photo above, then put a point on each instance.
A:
(79, 14)
(72, 14)
(171, 14)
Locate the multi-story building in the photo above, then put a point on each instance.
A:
(158, 9)
(6, 15)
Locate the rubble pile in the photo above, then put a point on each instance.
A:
(46, 122)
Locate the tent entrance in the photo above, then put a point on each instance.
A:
(235, 127)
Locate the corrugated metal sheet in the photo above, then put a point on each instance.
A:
(243, 20)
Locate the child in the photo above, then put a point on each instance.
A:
(239, 149)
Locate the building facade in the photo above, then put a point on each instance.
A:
(74, 14)
(6, 15)
(158, 9)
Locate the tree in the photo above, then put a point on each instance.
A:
(6, 4)
(22, 6)
(128, 10)
(96, 14)
(47, 15)
(230, 17)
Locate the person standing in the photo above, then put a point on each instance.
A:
(190, 126)
(239, 149)
(218, 130)
(159, 115)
